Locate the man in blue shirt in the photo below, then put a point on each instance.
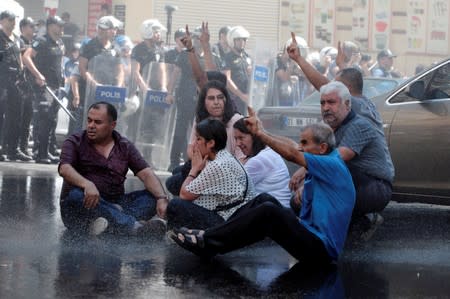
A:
(318, 235)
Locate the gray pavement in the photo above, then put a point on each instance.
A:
(408, 256)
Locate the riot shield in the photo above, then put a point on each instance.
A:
(156, 117)
(108, 86)
(288, 85)
(262, 81)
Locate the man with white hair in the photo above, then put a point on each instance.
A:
(363, 147)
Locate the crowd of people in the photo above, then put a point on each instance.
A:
(229, 186)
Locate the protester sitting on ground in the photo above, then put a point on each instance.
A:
(318, 235)
(94, 165)
(265, 167)
(352, 78)
(363, 147)
(217, 184)
(213, 102)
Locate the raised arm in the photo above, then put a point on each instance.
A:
(198, 72)
(313, 75)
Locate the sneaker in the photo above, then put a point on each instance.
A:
(153, 228)
(98, 226)
(375, 221)
(19, 156)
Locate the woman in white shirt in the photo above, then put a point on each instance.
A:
(265, 167)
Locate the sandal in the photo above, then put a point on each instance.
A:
(190, 231)
(189, 241)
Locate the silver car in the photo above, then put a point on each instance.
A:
(416, 120)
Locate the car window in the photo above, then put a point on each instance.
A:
(439, 87)
(434, 85)
(371, 89)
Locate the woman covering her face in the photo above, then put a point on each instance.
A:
(217, 184)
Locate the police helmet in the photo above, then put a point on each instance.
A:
(122, 42)
(302, 45)
(148, 27)
(327, 51)
(237, 32)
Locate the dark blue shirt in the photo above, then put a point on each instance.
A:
(48, 59)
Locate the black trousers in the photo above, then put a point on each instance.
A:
(372, 194)
(27, 115)
(184, 119)
(46, 121)
(12, 122)
(265, 217)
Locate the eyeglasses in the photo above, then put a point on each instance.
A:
(220, 97)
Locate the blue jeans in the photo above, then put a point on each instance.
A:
(137, 205)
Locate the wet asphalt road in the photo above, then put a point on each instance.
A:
(408, 257)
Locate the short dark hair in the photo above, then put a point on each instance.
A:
(213, 129)
(224, 30)
(110, 109)
(25, 22)
(353, 77)
(258, 145)
(201, 112)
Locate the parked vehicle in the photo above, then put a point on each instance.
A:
(416, 119)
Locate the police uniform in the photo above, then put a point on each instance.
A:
(238, 65)
(48, 61)
(10, 71)
(102, 62)
(186, 95)
(219, 56)
(145, 55)
(27, 98)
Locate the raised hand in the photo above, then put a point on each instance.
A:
(187, 39)
(252, 122)
(293, 49)
(204, 36)
(340, 57)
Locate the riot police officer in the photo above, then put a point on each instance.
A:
(10, 73)
(27, 29)
(44, 61)
(238, 64)
(145, 53)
